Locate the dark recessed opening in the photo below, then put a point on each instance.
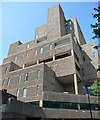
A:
(63, 56)
(47, 60)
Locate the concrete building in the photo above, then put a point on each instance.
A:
(53, 69)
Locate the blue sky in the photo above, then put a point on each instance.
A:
(19, 20)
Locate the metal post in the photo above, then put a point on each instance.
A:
(89, 103)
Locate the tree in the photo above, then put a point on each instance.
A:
(96, 31)
(96, 26)
(96, 91)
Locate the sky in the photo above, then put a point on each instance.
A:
(19, 20)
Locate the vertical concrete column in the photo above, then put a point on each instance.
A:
(72, 52)
(23, 66)
(78, 106)
(37, 61)
(41, 103)
(53, 57)
(75, 84)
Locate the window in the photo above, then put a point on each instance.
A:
(60, 105)
(19, 79)
(75, 32)
(70, 27)
(76, 57)
(5, 61)
(82, 50)
(17, 49)
(45, 88)
(26, 77)
(8, 81)
(35, 52)
(50, 47)
(53, 80)
(77, 67)
(6, 70)
(73, 21)
(3, 83)
(15, 59)
(27, 54)
(92, 47)
(37, 90)
(83, 58)
(37, 103)
(70, 22)
(38, 74)
(24, 47)
(82, 71)
(41, 50)
(36, 36)
(93, 55)
(11, 59)
(45, 74)
(24, 92)
(23, 56)
(66, 29)
(45, 33)
(42, 33)
(17, 92)
(27, 45)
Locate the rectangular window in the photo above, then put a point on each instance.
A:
(66, 29)
(36, 36)
(17, 94)
(38, 76)
(82, 71)
(27, 45)
(37, 90)
(8, 81)
(41, 50)
(70, 22)
(70, 28)
(76, 57)
(50, 47)
(24, 92)
(3, 83)
(75, 32)
(23, 56)
(19, 79)
(26, 77)
(92, 47)
(27, 54)
(53, 80)
(24, 47)
(11, 59)
(17, 49)
(93, 55)
(6, 70)
(77, 68)
(35, 52)
(45, 88)
(83, 58)
(15, 59)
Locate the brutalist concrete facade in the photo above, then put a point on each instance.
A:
(53, 67)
